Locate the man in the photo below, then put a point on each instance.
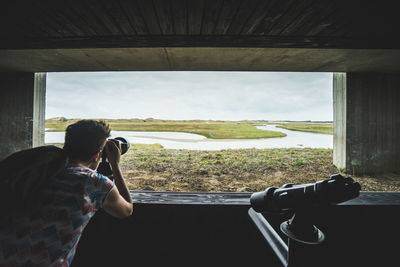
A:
(48, 196)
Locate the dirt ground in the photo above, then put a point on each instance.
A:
(242, 170)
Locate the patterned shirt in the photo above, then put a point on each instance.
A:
(48, 235)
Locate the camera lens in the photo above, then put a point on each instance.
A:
(124, 144)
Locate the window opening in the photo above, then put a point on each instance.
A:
(206, 131)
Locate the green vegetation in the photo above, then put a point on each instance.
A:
(151, 167)
(234, 170)
(209, 129)
(323, 128)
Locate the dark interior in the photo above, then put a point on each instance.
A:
(359, 232)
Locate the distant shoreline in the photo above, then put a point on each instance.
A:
(212, 129)
(208, 129)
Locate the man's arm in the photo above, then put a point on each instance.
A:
(117, 206)
(120, 183)
(118, 202)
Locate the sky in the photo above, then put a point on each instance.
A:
(186, 95)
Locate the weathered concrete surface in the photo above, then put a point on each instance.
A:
(339, 119)
(22, 106)
(367, 122)
(201, 59)
(39, 105)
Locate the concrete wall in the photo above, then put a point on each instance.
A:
(339, 119)
(367, 122)
(39, 100)
(22, 103)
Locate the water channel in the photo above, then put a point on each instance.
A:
(178, 140)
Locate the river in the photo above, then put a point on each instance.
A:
(177, 140)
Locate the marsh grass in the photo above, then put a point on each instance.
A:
(151, 167)
(323, 128)
(209, 129)
(238, 170)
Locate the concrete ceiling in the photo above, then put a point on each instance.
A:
(200, 59)
(237, 35)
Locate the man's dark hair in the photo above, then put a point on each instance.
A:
(85, 138)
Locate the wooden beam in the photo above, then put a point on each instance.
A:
(210, 18)
(179, 16)
(195, 16)
(201, 41)
(146, 9)
(134, 16)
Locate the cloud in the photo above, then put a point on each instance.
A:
(190, 95)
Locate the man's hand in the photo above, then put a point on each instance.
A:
(119, 201)
(113, 152)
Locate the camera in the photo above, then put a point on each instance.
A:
(104, 166)
(119, 141)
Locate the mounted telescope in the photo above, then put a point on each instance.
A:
(304, 200)
(335, 190)
(301, 199)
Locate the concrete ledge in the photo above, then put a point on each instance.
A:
(228, 198)
(191, 198)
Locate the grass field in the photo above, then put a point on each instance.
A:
(323, 128)
(151, 167)
(209, 129)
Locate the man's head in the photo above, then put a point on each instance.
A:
(85, 139)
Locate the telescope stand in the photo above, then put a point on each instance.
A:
(301, 229)
(303, 238)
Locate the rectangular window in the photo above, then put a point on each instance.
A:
(207, 131)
